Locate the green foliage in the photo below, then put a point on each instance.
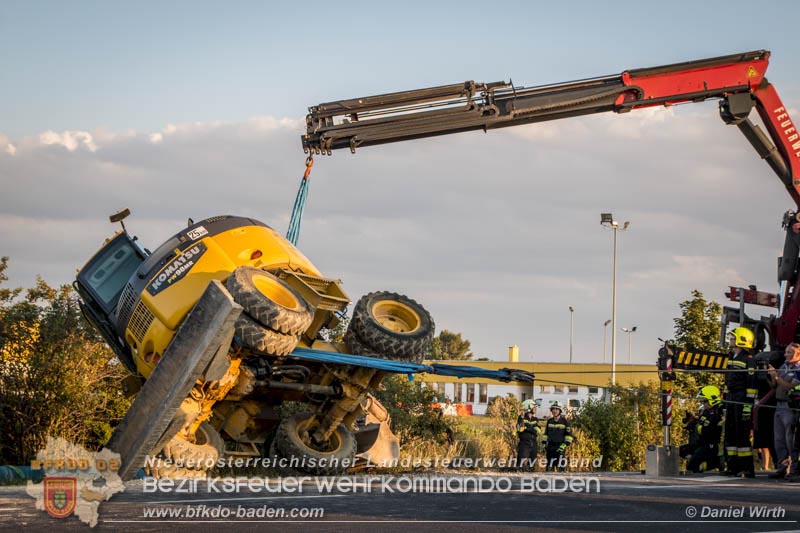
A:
(699, 326)
(621, 430)
(336, 334)
(449, 346)
(411, 407)
(56, 376)
(503, 411)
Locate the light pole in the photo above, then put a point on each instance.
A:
(607, 221)
(571, 312)
(605, 331)
(629, 332)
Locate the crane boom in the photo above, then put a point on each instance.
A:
(736, 80)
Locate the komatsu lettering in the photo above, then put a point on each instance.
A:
(177, 269)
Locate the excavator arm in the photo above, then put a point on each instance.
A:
(736, 80)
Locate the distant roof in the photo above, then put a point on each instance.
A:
(584, 374)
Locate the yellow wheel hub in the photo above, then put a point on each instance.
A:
(276, 291)
(396, 316)
(304, 430)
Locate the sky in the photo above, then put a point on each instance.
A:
(193, 109)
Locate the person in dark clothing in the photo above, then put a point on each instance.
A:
(764, 409)
(690, 421)
(740, 381)
(783, 380)
(528, 431)
(709, 431)
(557, 436)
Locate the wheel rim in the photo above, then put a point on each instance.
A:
(304, 430)
(276, 291)
(396, 316)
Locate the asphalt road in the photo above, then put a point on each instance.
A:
(625, 502)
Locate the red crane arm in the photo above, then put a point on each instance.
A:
(736, 80)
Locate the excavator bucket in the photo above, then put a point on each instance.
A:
(375, 442)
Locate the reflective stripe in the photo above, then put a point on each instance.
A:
(567, 439)
(732, 452)
(558, 426)
(744, 452)
(733, 362)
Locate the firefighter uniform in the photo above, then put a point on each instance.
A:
(557, 436)
(528, 431)
(740, 382)
(705, 456)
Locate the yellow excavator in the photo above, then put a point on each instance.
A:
(206, 324)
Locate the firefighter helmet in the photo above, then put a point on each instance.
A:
(710, 394)
(744, 338)
(528, 405)
(556, 405)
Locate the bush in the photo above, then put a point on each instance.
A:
(57, 377)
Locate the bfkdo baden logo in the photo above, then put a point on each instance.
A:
(60, 496)
(75, 481)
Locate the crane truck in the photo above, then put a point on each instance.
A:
(737, 81)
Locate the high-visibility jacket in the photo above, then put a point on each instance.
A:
(528, 427)
(742, 384)
(558, 431)
(709, 427)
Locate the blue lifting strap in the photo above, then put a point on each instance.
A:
(293, 233)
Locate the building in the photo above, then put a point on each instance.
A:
(572, 384)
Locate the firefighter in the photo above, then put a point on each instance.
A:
(709, 431)
(528, 431)
(740, 382)
(557, 436)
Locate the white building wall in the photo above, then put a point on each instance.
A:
(479, 395)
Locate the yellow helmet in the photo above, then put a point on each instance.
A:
(744, 337)
(711, 394)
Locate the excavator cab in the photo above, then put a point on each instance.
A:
(100, 283)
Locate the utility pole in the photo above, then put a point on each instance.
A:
(607, 220)
(571, 313)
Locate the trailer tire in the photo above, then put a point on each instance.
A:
(262, 339)
(394, 326)
(270, 301)
(289, 443)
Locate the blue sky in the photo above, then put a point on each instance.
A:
(192, 109)
(115, 65)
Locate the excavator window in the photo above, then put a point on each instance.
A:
(107, 273)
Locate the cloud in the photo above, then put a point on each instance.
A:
(497, 234)
(71, 140)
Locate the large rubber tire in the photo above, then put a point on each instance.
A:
(263, 339)
(394, 326)
(288, 443)
(191, 459)
(358, 347)
(270, 301)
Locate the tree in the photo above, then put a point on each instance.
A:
(411, 406)
(57, 377)
(699, 325)
(449, 346)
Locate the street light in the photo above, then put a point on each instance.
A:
(605, 331)
(571, 312)
(607, 221)
(629, 332)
